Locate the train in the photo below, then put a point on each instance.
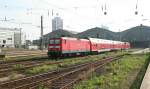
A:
(68, 46)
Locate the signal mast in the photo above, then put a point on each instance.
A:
(104, 10)
(136, 11)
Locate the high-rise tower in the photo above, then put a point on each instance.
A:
(57, 23)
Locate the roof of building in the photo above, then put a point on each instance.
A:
(10, 29)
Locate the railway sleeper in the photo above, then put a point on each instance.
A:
(66, 72)
(63, 84)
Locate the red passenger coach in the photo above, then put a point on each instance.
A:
(66, 46)
(126, 45)
(102, 45)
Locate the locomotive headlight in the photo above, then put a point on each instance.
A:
(54, 46)
(57, 46)
(51, 46)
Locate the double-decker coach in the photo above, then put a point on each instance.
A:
(102, 45)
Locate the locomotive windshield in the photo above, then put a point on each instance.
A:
(54, 41)
(51, 42)
(57, 41)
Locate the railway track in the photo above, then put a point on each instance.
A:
(6, 67)
(5, 70)
(20, 60)
(58, 79)
(67, 81)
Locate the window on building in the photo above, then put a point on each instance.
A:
(4, 41)
(9, 38)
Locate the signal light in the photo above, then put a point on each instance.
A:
(105, 13)
(136, 12)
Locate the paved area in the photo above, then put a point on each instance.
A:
(146, 81)
(146, 50)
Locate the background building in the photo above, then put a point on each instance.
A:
(57, 23)
(105, 27)
(12, 37)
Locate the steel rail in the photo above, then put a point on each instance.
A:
(32, 82)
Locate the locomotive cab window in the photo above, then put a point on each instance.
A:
(51, 42)
(57, 41)
(54, 41)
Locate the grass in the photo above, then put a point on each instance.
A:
(68, 62)
(40, 69)
(116, 75)
(24, 58)
(137, 82)
(13, 75)
(18, 66)
(41, 87)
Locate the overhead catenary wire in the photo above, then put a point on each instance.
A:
(49, 11)
(69, 10)
(26, 23)
(31, 10)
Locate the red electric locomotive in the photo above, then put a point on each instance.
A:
(66, 46)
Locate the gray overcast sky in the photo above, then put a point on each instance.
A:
(78, 15)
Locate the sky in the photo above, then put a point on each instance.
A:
(77, 15)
